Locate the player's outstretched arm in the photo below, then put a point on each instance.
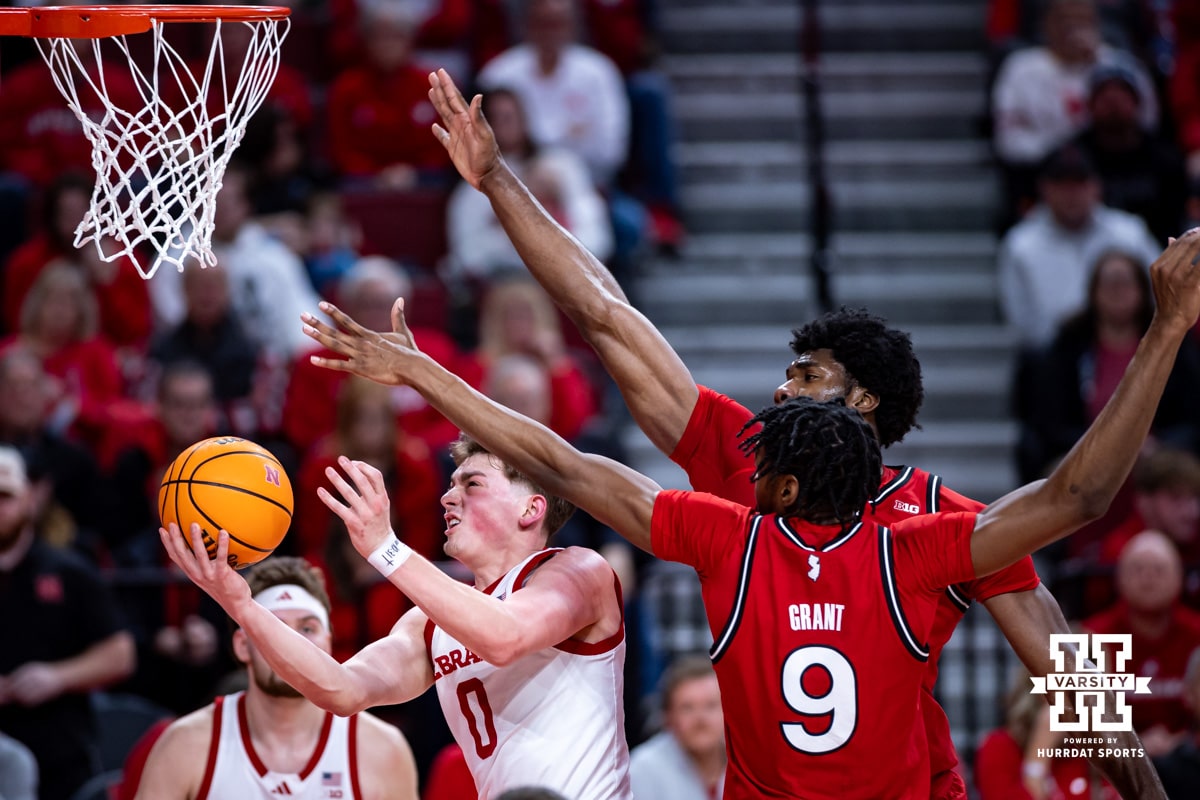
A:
(657, 386)
(391, 670)
(1084, 483)
(614, 494)
(1027, 619)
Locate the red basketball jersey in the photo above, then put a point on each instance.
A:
(820, 642)
(708, 452)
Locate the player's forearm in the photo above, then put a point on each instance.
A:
(108, 661)
(477, 620)
(1127, 766)
(578, 282)
(306, 667)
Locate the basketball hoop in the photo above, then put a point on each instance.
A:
(159, 165)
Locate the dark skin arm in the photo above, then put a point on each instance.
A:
(656, 384)
(1083, 485)
(1027, 619)
(614, 494)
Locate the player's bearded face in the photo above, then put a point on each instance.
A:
(270, 683)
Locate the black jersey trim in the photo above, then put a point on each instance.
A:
(829, 546)
(894, 485)
(933, 494)
(960, 600)
(739, 601)
(892, 594)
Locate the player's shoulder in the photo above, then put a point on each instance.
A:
(188, 738)
(382, 736)
(576, 560)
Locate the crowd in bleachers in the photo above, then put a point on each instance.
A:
(1093, 123)
(339, 191)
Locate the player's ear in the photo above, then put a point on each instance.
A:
(862, 400)
(788, 488)
(241, 646)
(534, 511)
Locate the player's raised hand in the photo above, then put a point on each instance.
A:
(214, 575)
(366, 508)
(1175, 276)
(464, 132)
(376, 355)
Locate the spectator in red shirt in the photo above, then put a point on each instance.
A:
(379, 113)
(124, 302)
(1149, 581)
(1180, 769)
(59, 324)
(370, 286)
(449, 777)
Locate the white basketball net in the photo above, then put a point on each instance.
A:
(159, 168)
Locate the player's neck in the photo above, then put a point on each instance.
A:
(282, 722)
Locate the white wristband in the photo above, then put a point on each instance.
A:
(388, 557)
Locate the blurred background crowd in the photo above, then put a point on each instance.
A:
(339, 191)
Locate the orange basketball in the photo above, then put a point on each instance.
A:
(229, 484)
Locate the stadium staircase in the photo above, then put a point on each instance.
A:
(914, 196)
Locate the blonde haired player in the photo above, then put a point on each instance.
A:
(528, 663)
(269, 741)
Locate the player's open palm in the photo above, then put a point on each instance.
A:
(1176, 278)
(377, 355)
(464, 132)
(212, 574)
(364, 506)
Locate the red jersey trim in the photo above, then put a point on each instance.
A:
(322, 740)
(252, 754)
(721, 644)
(893, 486)
(534, 563)
(832, 544)
(578, 648)
(214, 742)
(892, 593)
(247, 744)
(352, 743)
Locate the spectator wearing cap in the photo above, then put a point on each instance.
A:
(1045, 260)
(1040, 97)
(1139, 172)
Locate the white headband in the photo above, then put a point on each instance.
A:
(289, 597)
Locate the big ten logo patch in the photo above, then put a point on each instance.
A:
(1088, 666)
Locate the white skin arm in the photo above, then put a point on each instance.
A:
(392, 670)
(386, 768)
(571, 594)
(36, 682)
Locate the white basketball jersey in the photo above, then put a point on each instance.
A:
(553, 719)
(235, 769)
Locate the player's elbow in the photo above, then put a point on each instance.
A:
(343, 702)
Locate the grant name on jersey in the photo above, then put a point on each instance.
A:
(816, 616)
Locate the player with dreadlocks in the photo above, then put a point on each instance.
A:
(847, 354)
(820, 622)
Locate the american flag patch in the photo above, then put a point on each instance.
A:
(331, 779)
